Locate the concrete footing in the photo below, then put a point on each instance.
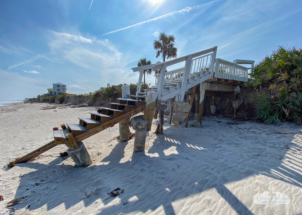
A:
(124, 130)
(236, 105)
(80, 156)
(140, 127)
(213, 109)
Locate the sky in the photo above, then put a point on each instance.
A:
(87, 44)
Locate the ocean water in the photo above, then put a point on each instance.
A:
(5, 103)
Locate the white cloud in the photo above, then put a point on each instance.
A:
(5, 50)
(156, 34)
(34, 58)
(100, 61)
(38, 66)
(91, 4)
(31, 72)
(185, 10)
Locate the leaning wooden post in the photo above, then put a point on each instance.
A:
(150, 107)
(191, 102)
(201, 101)
(196, 105)
(183, 88)
(171, 110)
(160, 87)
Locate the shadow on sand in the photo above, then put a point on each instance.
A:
(165, 173)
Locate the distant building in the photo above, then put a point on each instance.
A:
(57, 89)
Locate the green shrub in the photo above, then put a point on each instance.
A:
(281, 72)
(144, 86)
(61, 98)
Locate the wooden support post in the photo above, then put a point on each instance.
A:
(201, 100)
(191, 102)
(160, 129)
(196, 105)
(139, 84)
(155, 114)
(235, 108)
(150, 108)
(161, 109)
(185, 79)
(171, 110)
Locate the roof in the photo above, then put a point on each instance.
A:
(59, 83)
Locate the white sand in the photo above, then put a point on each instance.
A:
(219, 168)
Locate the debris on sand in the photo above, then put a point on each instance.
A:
(14, 201)
(1, 198)
(285, 131)
(116, 192)
(63, 154)
(49, 107)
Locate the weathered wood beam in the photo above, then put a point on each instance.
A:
(171, 110)
(218, 87)
(201, 101)
(191, 102)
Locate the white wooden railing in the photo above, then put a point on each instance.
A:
(228, 70)
(193, 63)
(199, 67)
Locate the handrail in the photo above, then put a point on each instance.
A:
(231, 63)
(174, 61)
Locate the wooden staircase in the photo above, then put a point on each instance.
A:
(103, 118)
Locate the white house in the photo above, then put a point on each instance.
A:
(57, 89)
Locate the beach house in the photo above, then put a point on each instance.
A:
(57, 89)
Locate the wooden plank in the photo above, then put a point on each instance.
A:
(34, 153)
(71, 141)
(191, 102)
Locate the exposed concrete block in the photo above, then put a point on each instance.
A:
(213, 109)
(140, 126)
(181, 111)
(80, 155)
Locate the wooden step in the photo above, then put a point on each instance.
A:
(132, 102)
(111, 111)
(124, 107)
(75, 129)
(60, 134)
(103, 118)
(141, 98)
(89, 123)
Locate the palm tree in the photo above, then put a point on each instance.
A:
(165, 46)
(143, 62)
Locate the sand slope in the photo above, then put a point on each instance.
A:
(219, 168)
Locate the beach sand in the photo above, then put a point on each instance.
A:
(220, 168)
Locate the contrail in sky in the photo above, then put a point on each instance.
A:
(91, 4)
(185, 10)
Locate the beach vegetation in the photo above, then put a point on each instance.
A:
(281, 73)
